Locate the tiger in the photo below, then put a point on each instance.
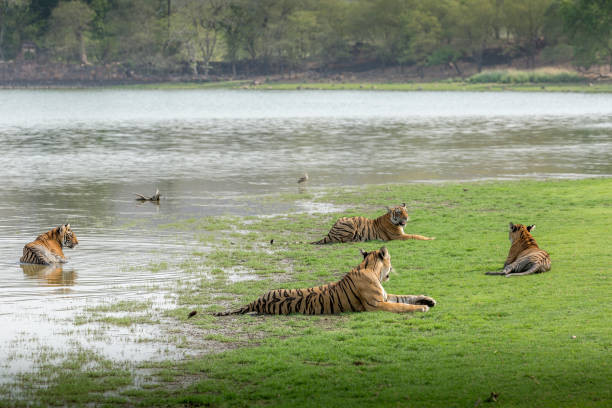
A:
(358, 291)
(386, 228)
(525, 256)
(46, 249)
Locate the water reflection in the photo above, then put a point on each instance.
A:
(54, 275)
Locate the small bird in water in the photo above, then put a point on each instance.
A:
(303, 179)
(192, 313)
(152, 198)
(271, 241)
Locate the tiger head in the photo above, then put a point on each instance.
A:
(519, 231)
(66, 236)
(379, 261)
(398, 215)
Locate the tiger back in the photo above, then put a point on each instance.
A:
(359, 290)
(46, 249)
(387, 227)
(525, 256)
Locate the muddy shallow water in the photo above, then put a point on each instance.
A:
(78, 156)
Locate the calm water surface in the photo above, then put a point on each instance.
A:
(77, 157)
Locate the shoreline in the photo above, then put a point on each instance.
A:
(436, 86)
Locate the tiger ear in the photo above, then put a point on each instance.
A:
(67, 226)
(531, 227)
(404, 205)
(364, 253)
(511, 226)
(389, 209)
(383, 252)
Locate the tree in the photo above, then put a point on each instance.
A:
(474, 27)
(8, 8)
(380, 24)
(422, 33)
(69, 27)
(333, 35)
(234, 22)
(589, 26)
(525, 20)
(198, 23)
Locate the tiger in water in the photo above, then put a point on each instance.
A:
(386, 228)
(358, 291)
(525, 256)
(46, 249)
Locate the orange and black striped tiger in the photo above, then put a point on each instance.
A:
(46, 249)
(525, 256)
(358, 291)
(386, 228)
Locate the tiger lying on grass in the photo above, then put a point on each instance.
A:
(525, 255)
(46, 249)
(386, 228)
(358, 291)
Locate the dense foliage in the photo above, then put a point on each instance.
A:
(245, 36)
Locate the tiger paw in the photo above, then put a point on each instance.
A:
(422, 308)
(426, 300)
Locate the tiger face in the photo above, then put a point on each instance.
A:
(375, 259)
(399, 215)
(66, 236)
(517, 230)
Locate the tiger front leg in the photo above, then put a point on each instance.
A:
(412, 299)
(414, 236)
(400, 307)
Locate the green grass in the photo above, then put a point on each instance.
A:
(520, 81)
(534, 76)
(512, 336)
(185, 85)
(446, 86)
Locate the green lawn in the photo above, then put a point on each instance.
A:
(538, 341)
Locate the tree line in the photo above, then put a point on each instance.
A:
(276, 36)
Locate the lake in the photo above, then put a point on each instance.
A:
(77, 156)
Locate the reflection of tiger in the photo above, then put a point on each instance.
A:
(359, 290)
(47, 248)
(49, 274)
(525, 255)
(386, 227)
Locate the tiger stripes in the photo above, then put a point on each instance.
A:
(359, 290)
(387, 227)
(46, 249)
(525, 256)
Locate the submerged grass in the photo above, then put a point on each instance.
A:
(540, 340)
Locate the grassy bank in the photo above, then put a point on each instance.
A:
(424, 86)
(541, 340)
